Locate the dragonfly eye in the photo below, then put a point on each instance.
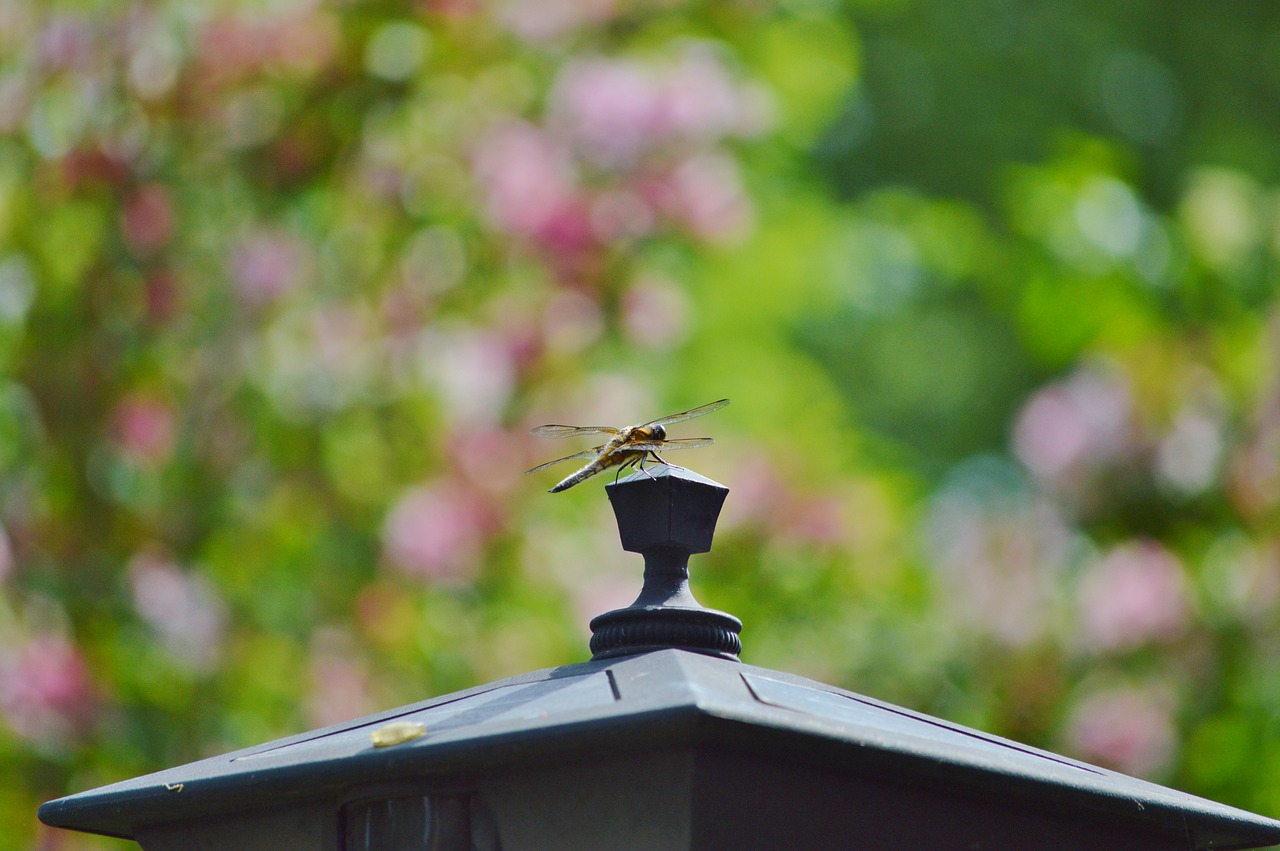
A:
(659, 432)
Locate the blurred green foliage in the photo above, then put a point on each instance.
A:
(283, 285)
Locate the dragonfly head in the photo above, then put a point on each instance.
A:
(659, 433)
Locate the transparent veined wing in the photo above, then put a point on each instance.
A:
(689, 414)
(556, 432)
(589, 453)
(664, 445)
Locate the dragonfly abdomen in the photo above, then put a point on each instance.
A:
(611, 459)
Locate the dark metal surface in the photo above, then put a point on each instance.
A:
(666, 514)
(659, 749)
(667, 507)
(586, 713)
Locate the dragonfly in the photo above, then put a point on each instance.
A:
(627, 447)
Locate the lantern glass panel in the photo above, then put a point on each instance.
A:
(418, 823)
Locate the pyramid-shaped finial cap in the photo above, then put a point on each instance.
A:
(667, 507)
(666, 514)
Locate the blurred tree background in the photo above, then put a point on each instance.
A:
(994, 286)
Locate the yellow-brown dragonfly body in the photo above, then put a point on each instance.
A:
(627, 446)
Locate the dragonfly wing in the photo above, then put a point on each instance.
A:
(558, 431)
(589, 453)
(689, 414)
(665, 445)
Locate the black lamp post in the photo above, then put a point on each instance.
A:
(662, 741)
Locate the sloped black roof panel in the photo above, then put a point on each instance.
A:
(668, 697)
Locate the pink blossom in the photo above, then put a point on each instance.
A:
(762, 498)
(299, 41)
(304, 41)
(267, 264)
(572, 321)
(530, 190)
(147, 220)
(701, 100)
(566, 235)
(612, 110)
(521, 339)
(403, 309)
(339, 691)
(705, 194)
(1135, 594)
(230, 47)
(339, 334)
(644, 133)
(339, 687)
(489, 458)
(143, 429)
(182, 607)
(437, 532)
(545, 20)
(455, 9)
(758, 490)
(615, 112)
(45, 691)
(815, 520)
(999, 562)
(1079, 421)
(472, 371)
(655, 313)
(527, 178)
(1126, 729)
(621, 215)
(67, 41)
(598, 594)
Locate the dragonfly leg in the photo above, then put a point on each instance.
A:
(622, 467)
(644, 457)
(664, 462)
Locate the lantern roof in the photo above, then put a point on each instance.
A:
(656, 699)
(665, 678)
